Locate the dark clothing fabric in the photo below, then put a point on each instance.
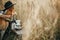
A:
(9, 34)
(0, 35)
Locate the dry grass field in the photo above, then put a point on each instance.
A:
(40, 18)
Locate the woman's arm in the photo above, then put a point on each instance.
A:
(5, 16)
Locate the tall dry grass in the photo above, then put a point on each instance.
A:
(39, 18)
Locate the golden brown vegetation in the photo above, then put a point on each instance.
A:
(40, 18)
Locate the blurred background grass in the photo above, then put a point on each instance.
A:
(40, 18)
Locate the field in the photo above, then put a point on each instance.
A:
(40, 18)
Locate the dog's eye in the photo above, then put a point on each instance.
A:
(17, 25)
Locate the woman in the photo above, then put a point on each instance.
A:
(10, 14)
